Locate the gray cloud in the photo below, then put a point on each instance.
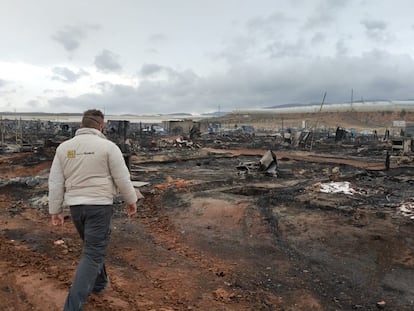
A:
(264, 54)
(324, 13)
(107, 61)
(34, 104)
(287, 49)
(336, 4)
(319, 19)
(237, 50)
(70, 37)
(178, 92)
(374, 25)
(64, 74)
(269, 25)
(376, 30)
(318, 37)
(250, 86)
(157, 38)
(341, 48)
(9, 87)
(150, 69)
(155, 41)
(263, 35)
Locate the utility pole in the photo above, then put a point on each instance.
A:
(352, 99)
(17, 129)
(21, 131)
(2, 133)
(317, 120)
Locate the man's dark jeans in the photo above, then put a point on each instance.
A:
(93, 223)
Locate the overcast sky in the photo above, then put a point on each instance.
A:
(194, 56)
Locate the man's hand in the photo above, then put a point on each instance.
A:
(131, 209)
(57, 219)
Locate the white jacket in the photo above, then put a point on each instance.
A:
(88, 169)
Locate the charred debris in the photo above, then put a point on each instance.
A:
(395, 146)
(338, 203)
(262, 153)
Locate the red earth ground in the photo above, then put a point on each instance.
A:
(202, 240)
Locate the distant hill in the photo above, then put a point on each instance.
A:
(177, 114)
(216, 114)
(291, 105)
(365, 105)
(362, 119)
(366, 102)
(9, 113)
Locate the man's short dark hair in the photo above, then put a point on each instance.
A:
(92, 118)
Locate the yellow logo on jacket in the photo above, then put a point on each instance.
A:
(71, 154)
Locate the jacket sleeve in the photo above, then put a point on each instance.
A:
(56, 187)
(120, 174)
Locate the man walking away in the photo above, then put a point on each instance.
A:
(87, 171)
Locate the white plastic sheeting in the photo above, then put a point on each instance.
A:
(335, 187)
(407, 209)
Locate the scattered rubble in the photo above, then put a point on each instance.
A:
(334, 187)
(227, 221)
(407, 209)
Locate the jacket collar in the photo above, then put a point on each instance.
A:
(87, 130)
